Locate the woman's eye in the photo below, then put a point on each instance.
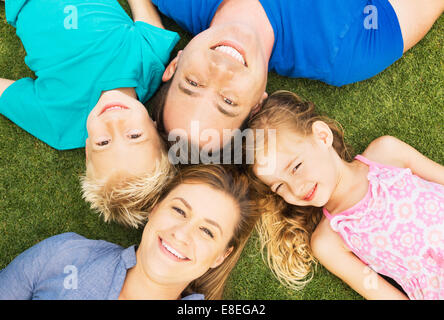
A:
(208, 232)
(102, 143)
(179, 211)
(276, 190)
(296, 168)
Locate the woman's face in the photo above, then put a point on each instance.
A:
(187, 234)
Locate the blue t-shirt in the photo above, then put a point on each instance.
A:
(78, 49)
(335, 41)
(69, 267)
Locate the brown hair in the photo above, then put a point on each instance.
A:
(285, 230)
(235, 184)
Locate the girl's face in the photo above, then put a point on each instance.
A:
(304, 168)
(187, 234)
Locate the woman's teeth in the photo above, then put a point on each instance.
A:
(171, 250)
(232, 52)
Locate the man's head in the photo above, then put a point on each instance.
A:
(218, 80)
(125, 158)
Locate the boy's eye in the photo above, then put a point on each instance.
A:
(135, 135)
(102, 143)
(208, 232)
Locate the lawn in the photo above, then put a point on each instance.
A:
(39, 186)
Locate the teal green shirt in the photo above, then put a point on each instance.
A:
(77, 49)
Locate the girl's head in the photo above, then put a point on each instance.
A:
(302, 171)
(196, 232)
(304, 159)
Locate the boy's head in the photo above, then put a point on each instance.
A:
(126, 162)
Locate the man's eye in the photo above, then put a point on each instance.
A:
(228, 101)
(193, 83)
(102, 143)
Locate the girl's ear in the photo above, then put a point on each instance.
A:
(222, 257)
(322, 133)
(171, 68)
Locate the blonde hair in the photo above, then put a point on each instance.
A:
(124, 198)
(236, 185)
(285, 230)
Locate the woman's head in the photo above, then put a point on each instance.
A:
(196, 232)
(304, 159)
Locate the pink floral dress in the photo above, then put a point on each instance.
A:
(397, 229)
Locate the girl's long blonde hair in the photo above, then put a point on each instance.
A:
(285, 230)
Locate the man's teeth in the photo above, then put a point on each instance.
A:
(177, 254)
(114, 108)
(232, 52)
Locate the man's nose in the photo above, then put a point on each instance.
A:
(222, 67)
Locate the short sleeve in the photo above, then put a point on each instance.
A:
(20, 277)
(25, 102)
(161, 41)
(12, 8)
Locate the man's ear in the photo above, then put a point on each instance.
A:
(171, 68)
(222, 257)
(258, 106)
(322, 132)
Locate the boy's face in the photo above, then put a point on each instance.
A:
(121, 136)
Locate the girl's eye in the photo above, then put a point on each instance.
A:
(296, 168)
(208, 232)
(102, 143)
(193, 83)
(179, 211)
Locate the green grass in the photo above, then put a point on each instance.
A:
(39, 186)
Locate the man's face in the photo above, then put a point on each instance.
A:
(219, 79)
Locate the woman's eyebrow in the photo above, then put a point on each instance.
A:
(212, 222)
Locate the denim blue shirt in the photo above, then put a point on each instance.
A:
(69, 266)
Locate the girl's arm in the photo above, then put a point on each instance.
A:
(4, 84)
(144, 10)
(392, 151)
(329, 249)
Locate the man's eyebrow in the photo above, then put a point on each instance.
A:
(226, 112)
(214, 223)
(188, 91)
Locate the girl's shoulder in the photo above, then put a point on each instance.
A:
(385, 150)
(325, 237)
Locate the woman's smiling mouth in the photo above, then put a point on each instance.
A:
(171, 252)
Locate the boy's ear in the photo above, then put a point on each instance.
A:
(171, 68)
(86, 149)
(323, 133)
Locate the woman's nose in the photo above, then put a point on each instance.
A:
(183, 232)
